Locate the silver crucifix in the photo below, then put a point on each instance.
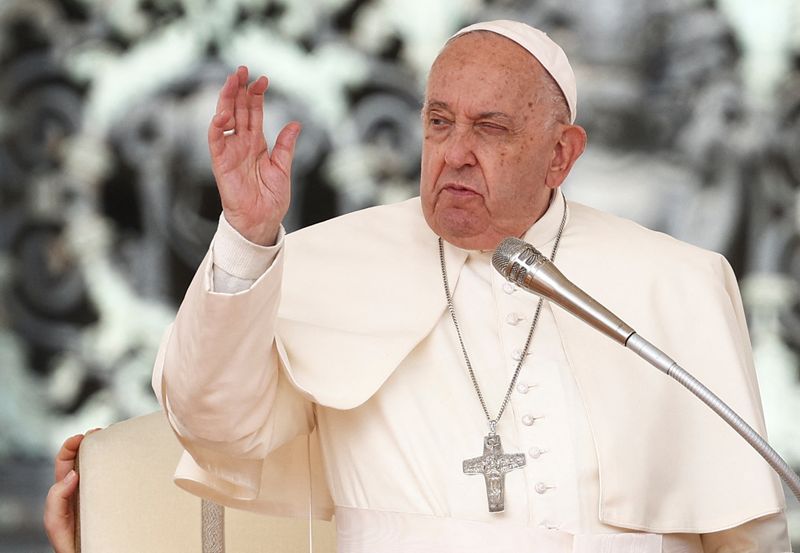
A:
(494, 464)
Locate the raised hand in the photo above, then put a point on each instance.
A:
(254, 184)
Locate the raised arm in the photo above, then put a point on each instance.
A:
(218, 371)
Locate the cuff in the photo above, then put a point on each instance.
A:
(237, 256)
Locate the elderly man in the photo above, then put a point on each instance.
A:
(387, 335)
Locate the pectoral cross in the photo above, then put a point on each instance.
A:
(494, 464)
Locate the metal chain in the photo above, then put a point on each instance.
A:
(451, 308)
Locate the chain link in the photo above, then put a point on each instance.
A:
(528, 340)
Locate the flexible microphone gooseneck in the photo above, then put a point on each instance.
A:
(523, 265)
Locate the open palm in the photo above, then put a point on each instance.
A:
(254, 184)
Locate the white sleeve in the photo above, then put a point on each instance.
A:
(237, 262)
(218, 374)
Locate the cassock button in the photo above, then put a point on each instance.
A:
(541, 488)
(528, 420)
(513, 319)
(536, 452)
(522, 388)
(509, 288)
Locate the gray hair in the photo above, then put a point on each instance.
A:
(552, 95)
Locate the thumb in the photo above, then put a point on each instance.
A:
(283, 152)
(58, 504)
(63, 490)
(59, 512)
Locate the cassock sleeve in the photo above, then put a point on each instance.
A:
(218, 373)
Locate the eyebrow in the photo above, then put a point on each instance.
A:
(436, 104)
(494, 115)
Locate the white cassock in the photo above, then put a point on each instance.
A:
(362, 354)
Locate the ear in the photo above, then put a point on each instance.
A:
(568, 148)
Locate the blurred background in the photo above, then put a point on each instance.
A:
(107, 202)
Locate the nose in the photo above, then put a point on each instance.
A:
(459, 149)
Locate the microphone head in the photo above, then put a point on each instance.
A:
(511, 252)
(509, 247)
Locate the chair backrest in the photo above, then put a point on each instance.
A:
(129, 504)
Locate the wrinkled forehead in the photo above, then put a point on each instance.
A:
(489, 48)
(539, 47)
(482, 68)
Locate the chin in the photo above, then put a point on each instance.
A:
(474, 243)
(458, 223)
(467, 236)
(464, 228)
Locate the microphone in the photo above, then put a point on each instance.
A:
(525, 266)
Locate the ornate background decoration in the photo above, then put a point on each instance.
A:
(107, 203)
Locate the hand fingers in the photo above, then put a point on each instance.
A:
(283, 152)
(223, 117)
(255, 102)
(240, 116)
(220, 123)
(61, 491)
(59, 513)
(227, 95)
(65, 458)
(240, 108)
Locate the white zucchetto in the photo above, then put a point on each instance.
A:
(541, 47)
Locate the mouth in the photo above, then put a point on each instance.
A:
(460, 190)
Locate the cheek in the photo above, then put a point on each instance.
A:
(512, 180)
(502, 169)
(431, 161)
(428, 175)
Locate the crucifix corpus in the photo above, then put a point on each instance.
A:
(494, 464)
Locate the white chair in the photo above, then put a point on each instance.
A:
(128, 502)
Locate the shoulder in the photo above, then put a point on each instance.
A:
(360, 247)
(621, 241)
(382, 224)
(641, 274)
(670, 291)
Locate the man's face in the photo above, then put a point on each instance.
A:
(488, 142)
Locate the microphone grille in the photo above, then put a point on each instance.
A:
(508, 248)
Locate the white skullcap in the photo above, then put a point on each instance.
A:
(541, 47)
